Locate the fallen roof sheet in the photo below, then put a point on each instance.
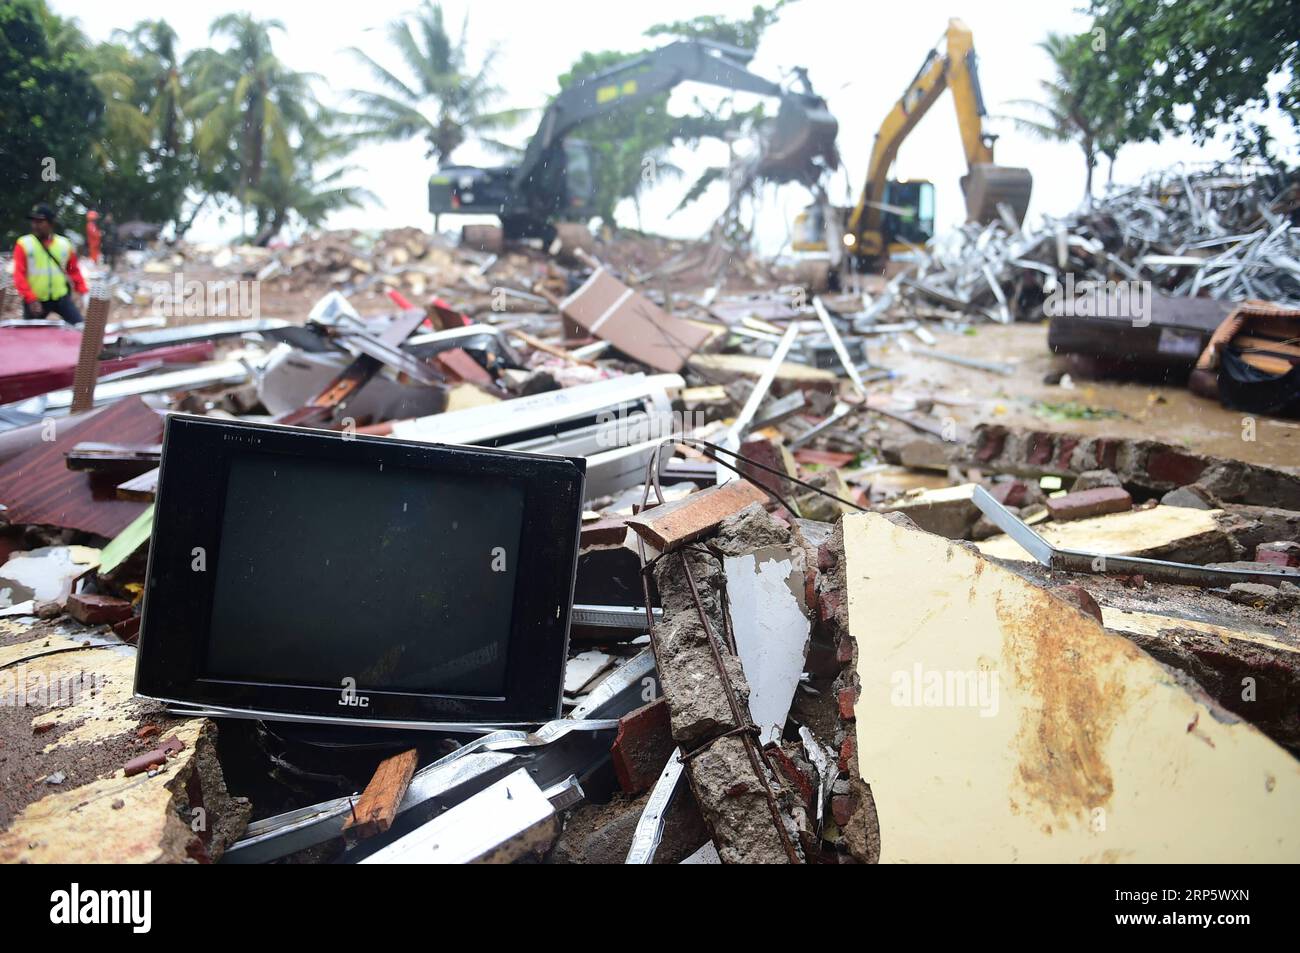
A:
(41, 358)
(38, 488)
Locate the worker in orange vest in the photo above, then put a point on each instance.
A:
(45, 270)
(93, 236)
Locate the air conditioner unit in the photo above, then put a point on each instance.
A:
(614, 424)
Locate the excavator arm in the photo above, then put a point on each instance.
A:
(985, 184)
(798, 146)
(635, 81)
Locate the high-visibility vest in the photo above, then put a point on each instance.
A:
(47, 278)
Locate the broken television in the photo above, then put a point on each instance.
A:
(313, 576)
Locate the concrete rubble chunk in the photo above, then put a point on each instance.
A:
(720, 764)
(1092, 479)
(1161, 532)
(735, 805)
(950, 512)
(1191, 496)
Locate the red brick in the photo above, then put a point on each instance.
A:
(1278, 554)
(683, 521)
(842, 808)
(791, 772)
(1170, 466)
(1040, 448)
(128, 630)
(97, 610)
(1063, 451)
(992, 440)
(844, 650)
(606, 531)
(642, 747)
(826, 557)
(1009, 492)
(847, 698)
(848, 751)
(1103, 499)
(829, 604)
(1107, 454)
(1080, 598)
(764, 451)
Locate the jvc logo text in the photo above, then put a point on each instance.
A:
(350, 696)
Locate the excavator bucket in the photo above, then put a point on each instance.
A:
(988, 186)
(800, 144)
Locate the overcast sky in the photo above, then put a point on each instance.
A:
(860, 56)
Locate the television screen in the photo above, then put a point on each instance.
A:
(349, 571)
(312, 575)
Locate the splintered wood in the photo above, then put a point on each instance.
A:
(377, 807)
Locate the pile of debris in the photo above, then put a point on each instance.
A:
(1226, 234)
(814, 621)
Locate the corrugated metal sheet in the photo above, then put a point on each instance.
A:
(38, 488)
(38, 359)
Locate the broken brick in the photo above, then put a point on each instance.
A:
(1097, 502)
(1170, 466)
(91, 609)
(642, 747)
(1278, 554)
(1080, 598)
(151, 759)
(682, 521)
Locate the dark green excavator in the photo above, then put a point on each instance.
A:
(556, 179)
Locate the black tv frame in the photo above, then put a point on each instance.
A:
(178, 601)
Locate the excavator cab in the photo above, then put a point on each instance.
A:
(909, 212)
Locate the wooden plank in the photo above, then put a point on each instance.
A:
(375, 810)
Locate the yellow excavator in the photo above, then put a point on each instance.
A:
(893, 216)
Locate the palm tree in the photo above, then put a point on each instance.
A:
(1072, 110)
(300, 190)
(246, 104)
(441, 99)
(153, 43)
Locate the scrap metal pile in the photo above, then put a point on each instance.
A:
(1227, 234)
(814, 619)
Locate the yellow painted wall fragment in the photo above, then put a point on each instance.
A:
(997, 723)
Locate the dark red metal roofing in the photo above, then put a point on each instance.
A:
(38, 488)
(39, 358)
